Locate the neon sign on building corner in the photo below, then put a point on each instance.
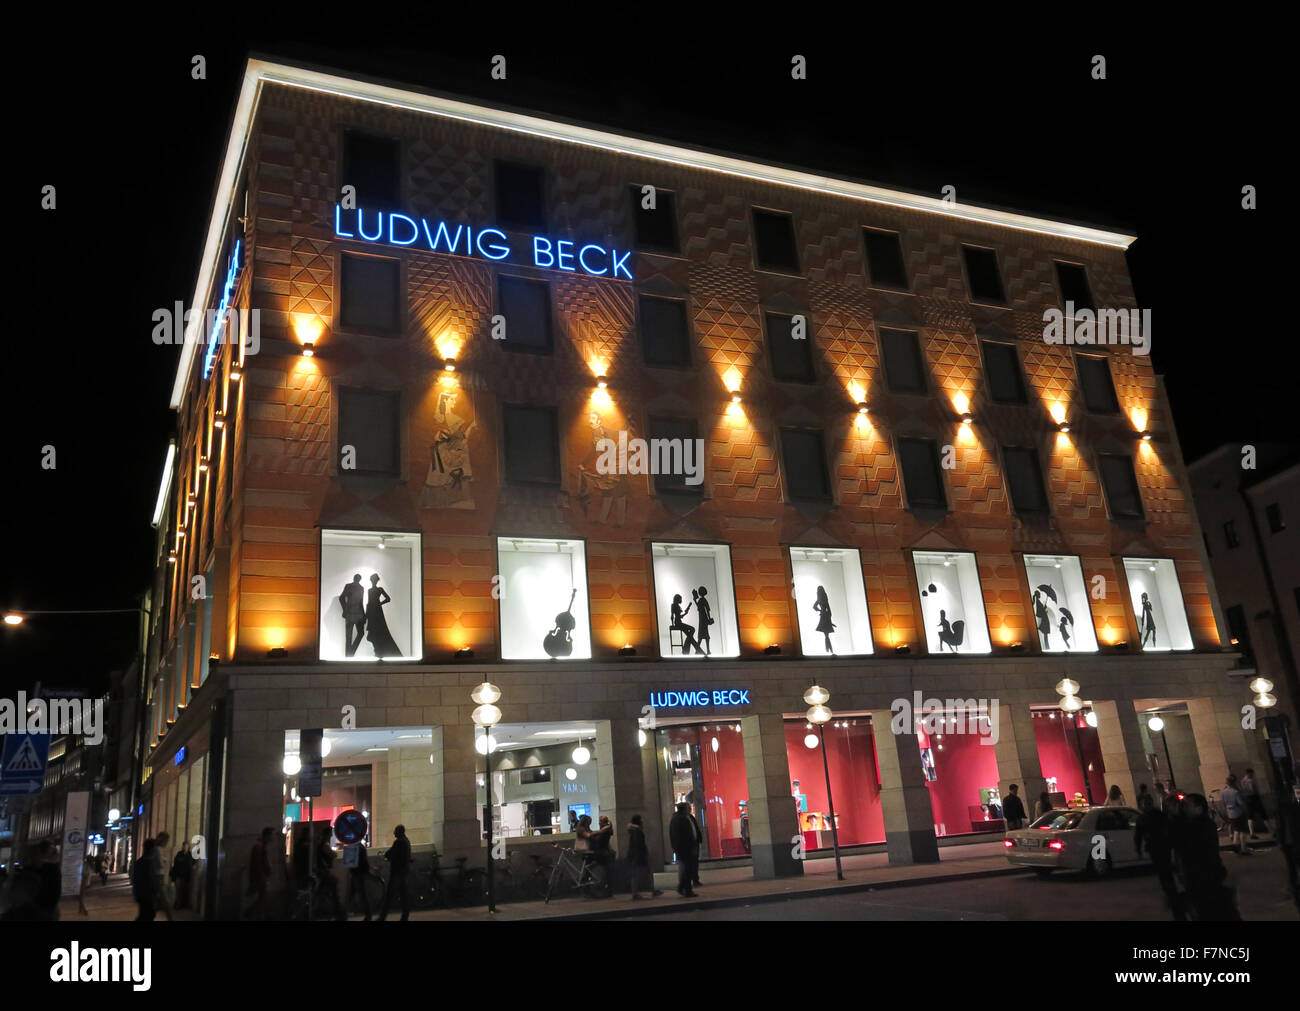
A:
(392, 228)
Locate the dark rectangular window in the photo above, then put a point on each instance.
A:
(1237, 627)
(665, 335)
(904, 371)
(1230, 534)
(922, 480)
(373, 165)
(885, 259)
(1073, 280)
(520, 193)
(791, 355)
(1276, 524)
(1024, 480)
(1120, 482)
(774, 245)
(369, 441)
(1098, 390)
(656, 228)
(526, 306)
(1002, 366)
(370, 294)
(532, 445)
(982, 275)
(683, 432)
(804, 456)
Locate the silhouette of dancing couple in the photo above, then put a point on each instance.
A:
(366, 620)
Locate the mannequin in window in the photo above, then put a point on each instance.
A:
(677, 625)
(825, 626)
(376, 626)
(1148, 622)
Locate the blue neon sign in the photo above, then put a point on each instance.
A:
(393, 229)
(700, 697)
(179, 756)
(219, 323)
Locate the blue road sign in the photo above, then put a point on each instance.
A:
(22, 764)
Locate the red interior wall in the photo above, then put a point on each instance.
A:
(850, 752)
(963, 767)
(725, 783)
(1058, 755)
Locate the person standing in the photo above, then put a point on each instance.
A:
(398, 856)
(142, 881)
(1013, 808)
(1153, 830)
(1253, 802)
(684, 834)
(1044, 805)
(259, 875)
(1197, 863)
(1115, 798)
(638, 858)
(1235, 810)
(181, 875)
(359, 876)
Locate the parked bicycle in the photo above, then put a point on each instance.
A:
(433, 887)
(574, 871)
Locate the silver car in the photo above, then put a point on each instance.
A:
(1093, 839)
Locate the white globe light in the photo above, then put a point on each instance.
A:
(1156, 724)
(486, 693)
(581, 756)
(483, 744)
(325, 747)
(1071, 704)
(292, 765)
(714, 745)
(819, 715)
(114, 814)
(486, 715)
(570, 773)
(1261, 685)
(1067, 687)
(1265, 701)
(1090, 719)
(816, 696)
(641, 738)
(810, 741)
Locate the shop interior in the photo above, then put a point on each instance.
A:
(961, 774)
(831, 601)
(855, 782)
(544, 778)
(704, 765)
(1069, 748)
(1170, 745)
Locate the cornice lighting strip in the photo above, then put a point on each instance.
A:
(166, 484)
(313, 80)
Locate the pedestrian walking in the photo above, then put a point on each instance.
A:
(1250, 796)
(181, 875)
(1234, 807)
(259, 875)
(685, 836)
(1152, 829)
(638, 858)
(1013, 808)
(1115, 798)
(398, 856)
(142, 881)
(1198, 868)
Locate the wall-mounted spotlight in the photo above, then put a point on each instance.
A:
(171, 556)
(967, 419)
(602, 383)
(862, 408)
(236, 373)
(449, 365)
(308, 349)
(464, 653)
(276, 652)
(203, 465)
(903, 649)
(219, 419)
(1063, 427)
(628, 650)
(772, 649)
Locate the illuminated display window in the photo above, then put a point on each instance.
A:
(831, 601)
(543, 599)
(951, 601)
(545, 777)
(370, 596)
(695, 600)
(1157, 604)
(1059, 600)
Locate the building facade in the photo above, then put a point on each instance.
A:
(654, 440)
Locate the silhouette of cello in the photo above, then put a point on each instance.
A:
(559, 641)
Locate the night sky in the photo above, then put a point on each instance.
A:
(1161, 150)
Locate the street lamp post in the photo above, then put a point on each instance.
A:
(487, 716)
(819, 714)
(1070, 705)
(1157, 724)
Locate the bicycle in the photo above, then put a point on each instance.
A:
(537, 883)
(580, 871)
(1218, 812)
(318, 900)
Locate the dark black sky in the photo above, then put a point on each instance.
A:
(1160, 149)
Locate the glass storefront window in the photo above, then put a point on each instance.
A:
(704, 766)
(370, 596)
(695, 600)
(961, 774)
(1067, 746)
(951, 602)
(831, 600)
(855, 782)
(1059, 598)
(543, 599)
(1157, 604)
(545, 777)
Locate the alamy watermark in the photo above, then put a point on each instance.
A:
(682, 457)
(977, 717)
(1130, 327)
(82, 717)
(228, 326)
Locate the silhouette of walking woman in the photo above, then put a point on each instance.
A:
(825, 626)
(688, 631)
(1148, 622)
(376, 626)
(705, 612)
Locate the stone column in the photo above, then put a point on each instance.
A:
(634, 787)
(411, 770)
(1217, 730)
(1017, 754)
(1122, 753)
(773, 826)
(254, 800)
(456, 831)
(904, 798)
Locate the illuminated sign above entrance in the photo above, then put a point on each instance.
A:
(393, 229)
(699, 698)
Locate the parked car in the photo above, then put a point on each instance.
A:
(1070, 841)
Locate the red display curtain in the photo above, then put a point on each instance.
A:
(725, 786)
(855, 784)
(1058, 755)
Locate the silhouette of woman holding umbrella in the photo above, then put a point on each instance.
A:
(376, 626)
(1042, 619)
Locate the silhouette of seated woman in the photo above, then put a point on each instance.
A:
(376, 626)
(950, 635)
(688, 631)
